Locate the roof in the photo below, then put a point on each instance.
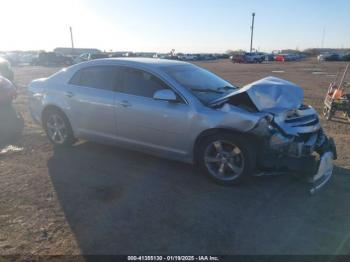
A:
(151, 62)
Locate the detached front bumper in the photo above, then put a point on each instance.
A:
(299, 158)
(325, 167)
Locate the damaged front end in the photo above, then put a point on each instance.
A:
(291, 137)
(297, 144)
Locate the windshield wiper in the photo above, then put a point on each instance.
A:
(206, 90)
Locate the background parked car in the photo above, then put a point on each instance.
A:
(346, 57)
(269, 57)
(320, 57)
(280, 58)
(82, 58)
(117, 54)
(238, 58)
(169, 57)
(13, 58)
(332, 57)
(290, 57)
(248, 58)
(209, 57)
(28, 58)
(254, 57)
(223, 56)
(6, 69)
(90, 56)
(52, 59)
(260, 56)
(186, 57)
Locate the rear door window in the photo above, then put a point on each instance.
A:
(100, 77)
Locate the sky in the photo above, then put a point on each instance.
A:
(184, 25)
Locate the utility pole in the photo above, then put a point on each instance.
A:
(71, 37)
(252, 33)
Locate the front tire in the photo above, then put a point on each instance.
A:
(58, 128)
(227, 158)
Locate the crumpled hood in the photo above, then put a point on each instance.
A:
(274, 93)
(284, 100)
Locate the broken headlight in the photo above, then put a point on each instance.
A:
(264, 127)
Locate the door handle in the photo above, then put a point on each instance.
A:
(125, 103)
(69, 94)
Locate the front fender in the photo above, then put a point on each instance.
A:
(238, 119)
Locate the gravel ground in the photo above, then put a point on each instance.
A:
(97, 199)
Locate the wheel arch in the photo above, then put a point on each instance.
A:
(49, 108)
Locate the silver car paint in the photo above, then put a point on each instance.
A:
(157, 127)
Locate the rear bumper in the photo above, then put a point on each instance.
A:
(35, 108)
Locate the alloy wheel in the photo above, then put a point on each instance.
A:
(224, 160)
(56, 129)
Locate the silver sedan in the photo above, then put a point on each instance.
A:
(181, 111)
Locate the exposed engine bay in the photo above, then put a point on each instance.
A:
(290, 136)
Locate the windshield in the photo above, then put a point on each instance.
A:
(205, 85)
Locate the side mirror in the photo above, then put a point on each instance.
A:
(165, 95)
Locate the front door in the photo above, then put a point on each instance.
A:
(146, 122)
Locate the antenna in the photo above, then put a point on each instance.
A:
(252, 32)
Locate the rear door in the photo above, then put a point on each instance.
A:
(91, 97)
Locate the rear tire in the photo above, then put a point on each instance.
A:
(227, 158)
(58, 128)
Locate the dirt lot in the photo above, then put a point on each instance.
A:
(96, 199)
